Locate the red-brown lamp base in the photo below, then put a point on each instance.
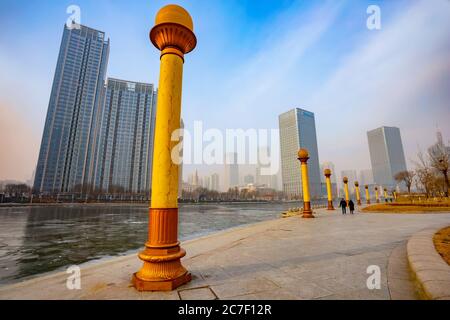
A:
(307, 212)
(330, 205)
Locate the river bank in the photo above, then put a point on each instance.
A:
(292, 258)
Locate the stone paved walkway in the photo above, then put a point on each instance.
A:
(293, 258)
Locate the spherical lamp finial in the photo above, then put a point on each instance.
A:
(345, 180)
(303, 155)
(327, 172)
(173, 13)
(356, 184)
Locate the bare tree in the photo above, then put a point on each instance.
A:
(407, 177)
(439, 160)
(425, 176)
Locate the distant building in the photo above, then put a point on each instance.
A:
(231, 171)
(124, 150)
(298, 130)
(386, 155)
(215, 182)
(65, 160)
(366, 177)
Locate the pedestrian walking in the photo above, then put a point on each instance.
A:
(351, 206)
(343, 205)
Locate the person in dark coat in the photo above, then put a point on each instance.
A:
(351, 206)
(343, 205)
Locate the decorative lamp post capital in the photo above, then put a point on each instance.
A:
(327, 173)
(173, 31)
(356, 184)
(366, 187)
(303, 155)
(345, 180)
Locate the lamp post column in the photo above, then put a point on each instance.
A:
(377, 195)
(327, 173)
(162, 269)
(347, 197)
(303, 157)
(367, 194)
(358, 195)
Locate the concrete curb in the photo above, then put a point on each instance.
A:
(428, 268)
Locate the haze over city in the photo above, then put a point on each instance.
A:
(253, 62)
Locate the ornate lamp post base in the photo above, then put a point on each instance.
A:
(160, 285)
(307, 212)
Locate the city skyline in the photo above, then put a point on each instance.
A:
(421, 95)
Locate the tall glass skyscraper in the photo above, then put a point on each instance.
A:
(298, 130)
(124, 149)
(65, 158)
(386, 155)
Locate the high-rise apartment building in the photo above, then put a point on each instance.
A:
(65, 157)
(298, 130)
(124, 148)
(386, 155)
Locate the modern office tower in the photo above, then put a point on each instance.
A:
(215, 182)
(231, 171)
(124, 150)
(298, 130)
(65, 157)
(366, 177)
(386, 155)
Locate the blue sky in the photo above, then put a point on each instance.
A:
(254, 60)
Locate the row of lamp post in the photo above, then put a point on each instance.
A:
(173, 35)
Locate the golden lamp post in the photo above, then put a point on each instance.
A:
(347, 197)
(358, 195)
(327, 173)
(367, 194)
(303, 156)
(162, 269)
(377, 195)
(385, 194)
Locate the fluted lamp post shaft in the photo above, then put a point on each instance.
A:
(303, 157)
(162, 269)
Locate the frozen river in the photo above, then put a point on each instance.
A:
(35, 240)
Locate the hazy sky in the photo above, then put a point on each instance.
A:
(254, 60)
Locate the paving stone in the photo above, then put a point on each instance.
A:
(197, 294)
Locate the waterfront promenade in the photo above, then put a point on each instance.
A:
(292, 258)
